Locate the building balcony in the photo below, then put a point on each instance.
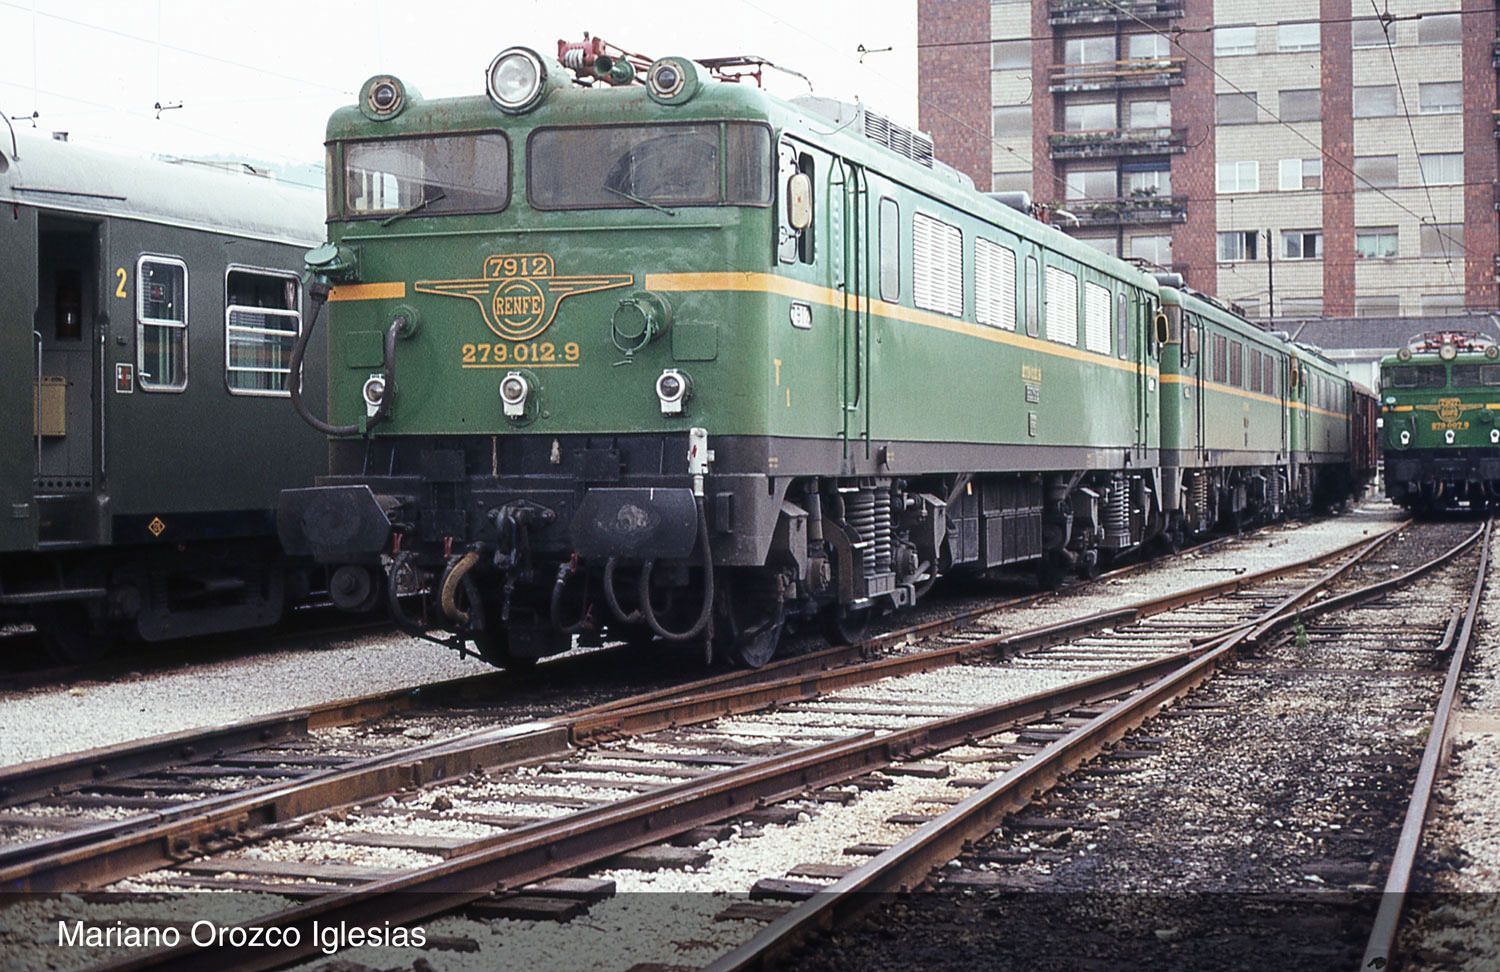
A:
(1063, 13)
(1117, 142)
(1136, 72)
(1130, 211)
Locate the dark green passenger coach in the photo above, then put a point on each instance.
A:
(680, 359)
(150, 311)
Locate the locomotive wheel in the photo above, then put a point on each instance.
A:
(754, 615)
(845, 626)
(493, 645)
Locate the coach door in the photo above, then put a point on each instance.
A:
(850, 269)
(65, 399)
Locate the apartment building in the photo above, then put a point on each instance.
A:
(1302, 158)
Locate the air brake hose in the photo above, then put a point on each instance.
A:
(318, 293)
(648, 613)
(613, 599)
(566, 570)
(454, 576)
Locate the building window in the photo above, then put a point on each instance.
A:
(1367, 32)
(1229, 41)
(1297, 37)
(1104, 244)
(1444, 240)
(1377, 305)
(1094, 184)
(161, 324)
(1301, 307)
(890, 249)
(1441, 305)
(1010, 55)
(1440, 29)
(1442, 168)
(1238, 177)
(1062, 306)
(1235, 108)
(1374, 100)
(1089, 50)
(1149, 114)
(262, 319)
(1375, 171)
(994, 284)
(1248, 308)
(937, 265)
(1096, 117)
(1376, 243)
(1011, 181)
(1301, 244)
(1303, 104)
(1096, 318)
(1301, 174)
(1238, 245)
(1011, 121)
(1155, 249)
(1440, 98)
(1148, 182)
(1153, 47)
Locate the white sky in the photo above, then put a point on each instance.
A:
(258, 78)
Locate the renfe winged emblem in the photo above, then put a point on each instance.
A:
(519, 292)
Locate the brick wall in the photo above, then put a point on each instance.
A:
(955, 83)
(1195, 243)
(1481, 229)
(1338, 144)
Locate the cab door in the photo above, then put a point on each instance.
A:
(850, 274)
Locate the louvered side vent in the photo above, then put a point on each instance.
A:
(902, 141)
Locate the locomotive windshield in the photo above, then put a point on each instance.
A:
(466, 173)
(1475, 375)
(1416, 376)
(689, 164)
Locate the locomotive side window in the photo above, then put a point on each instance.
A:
(937, 265)
(890, 249)
(1474, 376)
(1062, 306)
(1268, 374)
(994, 284)
(806, 239)
(161, 324)
(1416, 376)
(1033, 299)
(1122, 326)
(1096, 318)
(1220, 358)
(262, 318)
(1254, 371)
(1236, 364)
(432, 175)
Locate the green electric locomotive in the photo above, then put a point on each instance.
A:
(619, 349)
(1440, 397)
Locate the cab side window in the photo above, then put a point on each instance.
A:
(793, 245)
(161, 324)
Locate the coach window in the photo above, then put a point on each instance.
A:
(1033, 299)
(994, 284)
(262, 318)
(890, 249)
(161, 324)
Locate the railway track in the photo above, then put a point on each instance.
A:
(1350, 844)
(1092, 662)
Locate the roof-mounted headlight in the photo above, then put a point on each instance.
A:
(383, 97)
(674, 80)
(516, 80)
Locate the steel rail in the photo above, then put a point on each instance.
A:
(908, 863)
(95, 856)
(1381, 944)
